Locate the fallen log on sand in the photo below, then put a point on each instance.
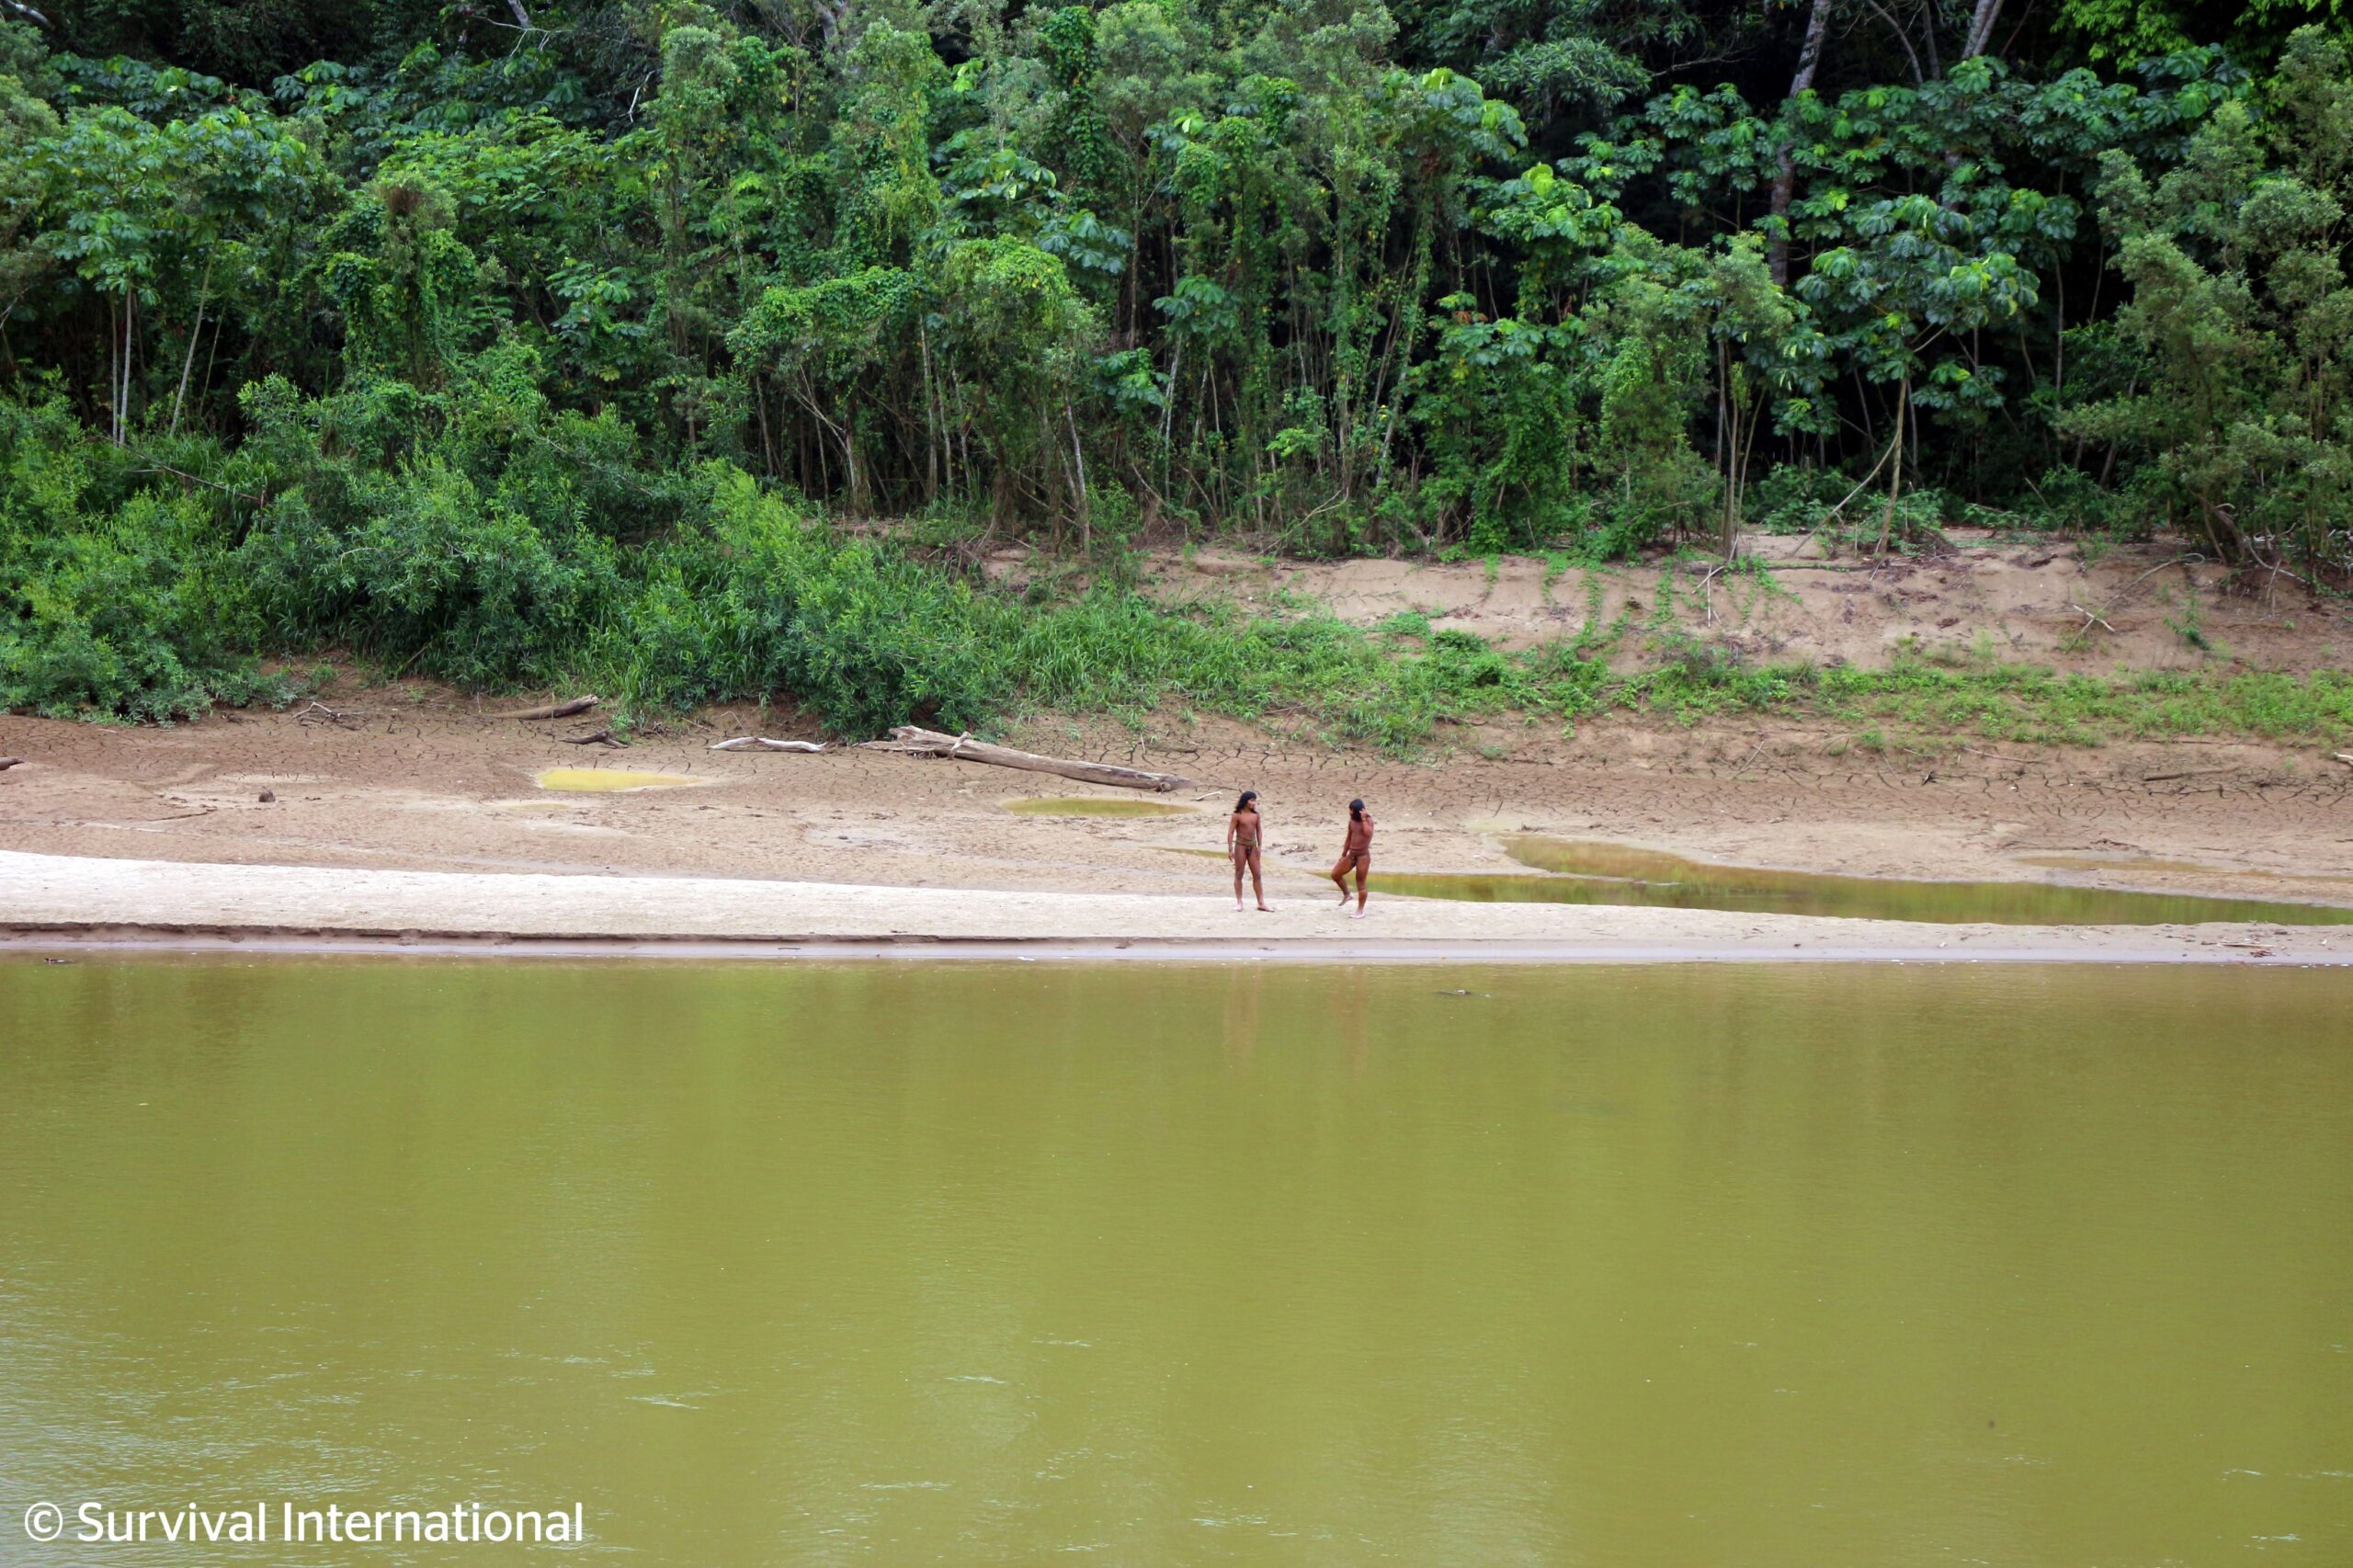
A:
(910, 741)
(554, 710)
(761, 742)
(8, 762)
(600, 738)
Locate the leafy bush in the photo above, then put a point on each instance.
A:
(126, 611)
(433, 577)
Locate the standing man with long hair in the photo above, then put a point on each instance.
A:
(1356, 853)
(1245, 833)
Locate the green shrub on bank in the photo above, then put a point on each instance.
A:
(111, 605)
(135, 589)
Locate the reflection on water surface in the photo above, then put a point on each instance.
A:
(1617, 874)
(1800, 1268)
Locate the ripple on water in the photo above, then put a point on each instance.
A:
(800, 1194)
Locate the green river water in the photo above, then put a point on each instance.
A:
(1800, 1267)
(1580, 871)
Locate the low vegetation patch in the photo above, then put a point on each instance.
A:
(140, 604)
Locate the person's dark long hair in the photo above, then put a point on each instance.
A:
(1356, 810)
(1244, 804)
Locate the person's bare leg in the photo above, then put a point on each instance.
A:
(1238, 858)
(1363, 871)
(1258, 883)
(1340, 877)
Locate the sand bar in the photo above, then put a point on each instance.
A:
(47, 900)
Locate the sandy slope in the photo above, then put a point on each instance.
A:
(2014, 599)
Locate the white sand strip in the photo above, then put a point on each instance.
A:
(45, 898)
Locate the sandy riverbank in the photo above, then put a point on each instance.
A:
(262, 822)
(54, 899)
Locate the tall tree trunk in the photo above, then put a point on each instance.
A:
(935, 424)
(1981, 29)
(1727, 444)
(187, 361)
(1785, 179)
(1895, 484)
(122, 372)
(1079, 487)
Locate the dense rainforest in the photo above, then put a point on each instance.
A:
(694, 346)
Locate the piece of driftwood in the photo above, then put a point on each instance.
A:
(554, 710)
(8, 762)
(761, 742)
(911, 741)
(2344, 758)
(596, 738)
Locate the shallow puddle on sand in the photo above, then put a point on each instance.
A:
(605, 780)
(1095, 806)
(1586, 872)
